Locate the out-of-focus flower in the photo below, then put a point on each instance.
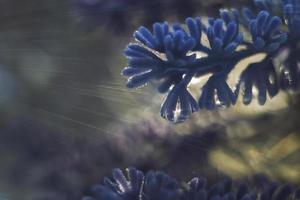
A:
(160, 186)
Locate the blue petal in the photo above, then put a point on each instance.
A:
(225, 15)
(140, 80)
(239, 38)
(259, 43)
(230, 33)
(178, 37)
(262, 89)
(135, 50)
(252, 28)
(248, 14)
(230, 48)
(165, 85)
(273, 25)
(280, 38)
(169, 106)
(232, 97)
(109, 184)
(120, 178)
(158, 30)
(142, 62)
(169, 44)
(148, 37)
(247, 95)
(136, 179)
(129, 71)
(187, 46)
(206, 99)
(194, 28)
(272, 88)
(218, 28)
(261, 21)
(194, 105)
(188, 105)
(210, 35)
(223, 95)
(217, 45)
(170, 56)
(272, 47)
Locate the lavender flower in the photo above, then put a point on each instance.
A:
(168, 53)
(160, 186)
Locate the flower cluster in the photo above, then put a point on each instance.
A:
(174, 54)
(156, 185)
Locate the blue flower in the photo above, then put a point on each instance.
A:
(196, 189)
(179, 104)
(262, 76)
(175, 54)
(223, 42)
(154, 41)
(120, 188)
(142, 67)
(160, 186)
(157, 185)
(216, 92)
(265, 32)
